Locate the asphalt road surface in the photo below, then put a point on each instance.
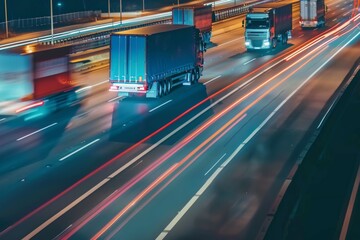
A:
(98, 171)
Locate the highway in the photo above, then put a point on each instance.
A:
(132, 168)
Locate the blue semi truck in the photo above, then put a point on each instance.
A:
(150, 61)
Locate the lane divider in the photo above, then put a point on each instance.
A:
(78, 150)
(30, 134)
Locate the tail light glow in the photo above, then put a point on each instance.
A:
(114, 88)
(37, 104)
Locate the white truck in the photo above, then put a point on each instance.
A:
(267, 24)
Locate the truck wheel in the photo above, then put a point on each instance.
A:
(159, 89)
(323, 23)
(274, 42)
(168, 86)
(165, 87)
(197, 75)
(284, 39)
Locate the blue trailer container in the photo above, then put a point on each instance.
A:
(151, 60)
(199, 16)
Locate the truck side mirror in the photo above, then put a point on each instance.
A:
(243, 23)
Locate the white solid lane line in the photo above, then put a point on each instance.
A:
(215, 164)
(78, 150)
(249, 61)
(327, 112)
(116, 98)
(2, 119)
(151, 110)
(349, 211)
(30, 134)
(213, 79)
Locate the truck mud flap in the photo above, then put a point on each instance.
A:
(152, 93)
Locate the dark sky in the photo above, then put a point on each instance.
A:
(37, 8)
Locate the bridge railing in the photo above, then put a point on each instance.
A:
(33, 23)
(101, 39)
(222, 14)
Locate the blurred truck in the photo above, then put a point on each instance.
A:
(35, 81)
(312, 13)
(267, 24)
(199, 16)
(152, 60)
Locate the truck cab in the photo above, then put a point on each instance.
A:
(268, 24)
(258, 34)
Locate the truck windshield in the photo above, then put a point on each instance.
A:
(257, 23)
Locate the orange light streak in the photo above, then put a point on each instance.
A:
(173, 178)
(133, 202)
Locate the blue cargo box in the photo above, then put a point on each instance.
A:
(152, 53)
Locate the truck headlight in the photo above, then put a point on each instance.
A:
(247, 43)
(266, 42)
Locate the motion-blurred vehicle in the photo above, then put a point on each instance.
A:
(312, 13)
(152, 60)
(199, 16)
(267, 24)
(35, 81)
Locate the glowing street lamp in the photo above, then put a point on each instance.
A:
(6, 20)
(52, 22)
(120, 11)
(59, 4)
(109, 8)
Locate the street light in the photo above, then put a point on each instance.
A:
(109, 8)
(6, 21)
(52, 22)
(59, 4)
(143, 5)
(120, 11)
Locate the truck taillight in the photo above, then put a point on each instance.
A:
(114, 88)
(37, 104)
(143, 87)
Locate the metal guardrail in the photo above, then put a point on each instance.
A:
(101, 39)
(222, 14)
(29, 23)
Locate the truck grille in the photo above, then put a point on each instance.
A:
(257, 43)
(256, 35)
